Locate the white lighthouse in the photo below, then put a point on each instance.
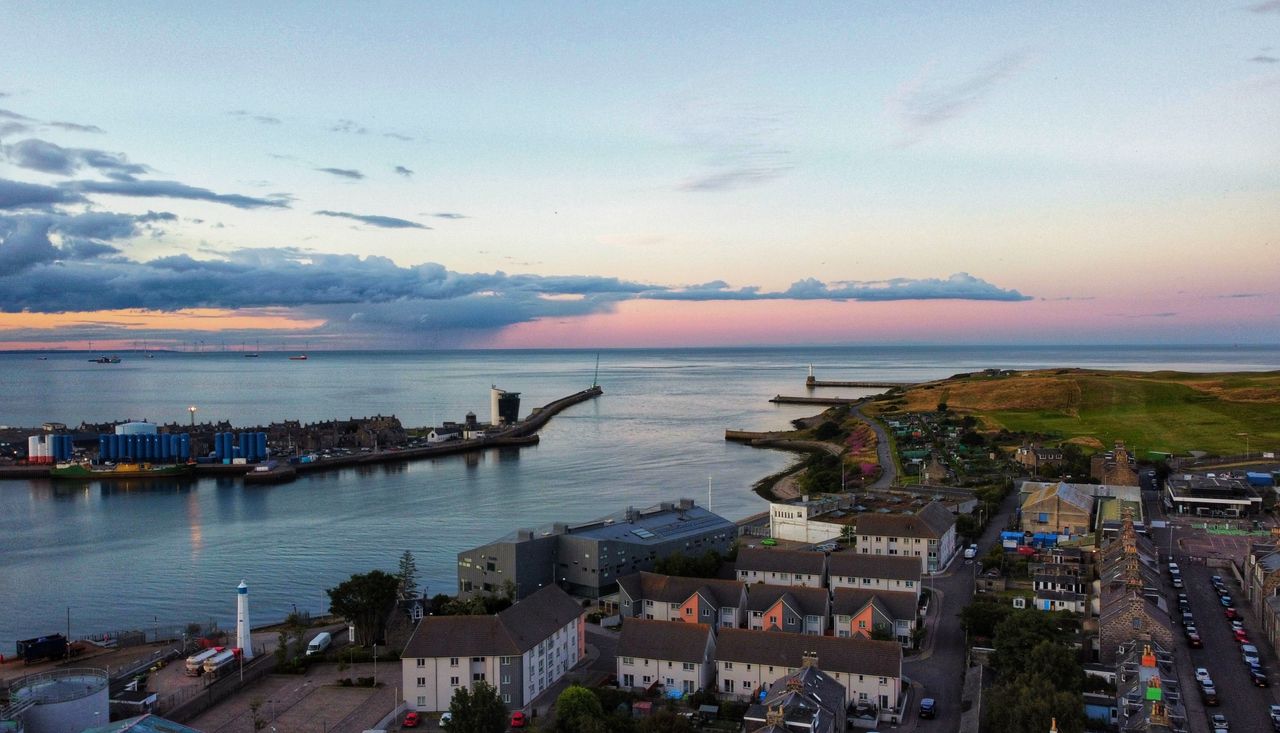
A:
(243, 640)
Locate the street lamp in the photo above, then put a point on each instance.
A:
(192, 410)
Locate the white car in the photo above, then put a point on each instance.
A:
(1202, 675)
(970, 552)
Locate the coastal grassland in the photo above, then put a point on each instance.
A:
(1162, 411)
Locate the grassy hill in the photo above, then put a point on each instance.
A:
(1162, 411)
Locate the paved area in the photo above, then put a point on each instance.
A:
(306, 703)
(884, 452)
(938, 670)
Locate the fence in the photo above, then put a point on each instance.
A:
(155, 633)
(185, 704)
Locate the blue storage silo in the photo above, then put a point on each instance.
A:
(262, 446)
(243, 445)
(122, 447)
(162, 449)
(153, 447)
(68, 447)
(102, 448)
(220, 446)
(113, 447)
(185, 447)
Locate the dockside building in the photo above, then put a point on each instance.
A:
(588, 559)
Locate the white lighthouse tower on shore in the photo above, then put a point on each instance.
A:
(243, 640)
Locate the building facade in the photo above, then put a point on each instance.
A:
(781, 567)
(674, 654)
(694, 600)
(929, 535)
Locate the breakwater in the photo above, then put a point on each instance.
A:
(785, 400)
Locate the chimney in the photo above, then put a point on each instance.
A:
(686, 503)
(523, 535)
(775, 716)
(810, 660)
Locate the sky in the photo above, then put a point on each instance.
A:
(553, 174)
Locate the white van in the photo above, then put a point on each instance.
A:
(319, 644)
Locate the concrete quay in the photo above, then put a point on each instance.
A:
(829, 401)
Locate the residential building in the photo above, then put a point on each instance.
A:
(1035, 457)
(929, 534)
(1149, 697)
(1132, 607)
(747, 662)
(830, 517)
(588, 559)
(674, 654)
(797, 609)
(781, 567)
(859, 612)
(1059, 587)
(669, 598)
(809, 701)
(874, 572)
(521, 651)
(1060, 508)
(1262, 587)
(1115, 467)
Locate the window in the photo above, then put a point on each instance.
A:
(422, 701)
(506, 661)
(422, 663)
(453, 661)
(688, 666)
(422, 682)
(646, 679)
(477, 676)
(728, 665)
(453, 681)
(689, 612)
(706, 612)
(506, 679)
(506, 697)
(728, 685)
(628, 660)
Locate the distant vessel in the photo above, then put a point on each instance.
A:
(119, 470)
(251, 355)
(105, 360)
(299, 357)
(43, 358)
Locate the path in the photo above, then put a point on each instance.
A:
(884, 451)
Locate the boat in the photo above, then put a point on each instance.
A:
(252, 356)
(299, 357)
(119, 470)
(105, 360)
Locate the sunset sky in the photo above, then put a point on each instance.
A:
(414, 175)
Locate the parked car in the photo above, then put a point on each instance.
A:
(519, 719)
(1259, 677)
(1236, 624)
(1250, 654)
(928, 707)
(1202, 675)
(1218, 721)
(1217, 581)
(1231, 613)
(971, 552)
(1242, 637)
(1209, 694)
(1177, 581)
(1226, 601)
(1188, 620)
(1193, 638)
(411, 720)
(1275, 714)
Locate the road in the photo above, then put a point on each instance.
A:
(939, 668)
(1245, 705)
(884, 452)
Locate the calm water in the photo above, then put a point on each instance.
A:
(122, 555)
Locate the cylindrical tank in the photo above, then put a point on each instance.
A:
(136, 428)
(102, 448)
(65, 700)
(218, 448)
(262, 446)
(117, 447)
(162, 447)
(185, 447)
(244, 445)
(33, 449)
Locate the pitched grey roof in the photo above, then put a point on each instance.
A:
(897, 604)
(768, 560)
(835, 654)
(509, 633)
(673, 589)
(931, 522)
(674, 641)
(862, 565)
(808, 601)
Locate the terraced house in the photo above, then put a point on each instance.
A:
(521, 651)
(858, 612)
(674, 654)
(694, 600)
(796, 609)
(874, 572)
(781, 567)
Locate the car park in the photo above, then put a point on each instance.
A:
(928, 707)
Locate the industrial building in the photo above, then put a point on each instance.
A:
(588, 559)
(1210, 495)
(504, 407)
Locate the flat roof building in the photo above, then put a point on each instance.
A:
(588, 559)
(1210, 495)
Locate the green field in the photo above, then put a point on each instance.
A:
(1160, 411)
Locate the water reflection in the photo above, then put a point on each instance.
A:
(112, 487)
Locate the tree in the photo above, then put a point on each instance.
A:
(665, 721)
(827, 430)
(578, 711)
(408, 576)
(1058, 664)
(981, 617)
(1031, 703)
(882, 632)
(1020, 631)
(477, 710)
(365, 600)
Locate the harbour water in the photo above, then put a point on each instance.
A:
(127, 555)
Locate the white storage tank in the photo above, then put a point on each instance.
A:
(136, 428)
(63, 701)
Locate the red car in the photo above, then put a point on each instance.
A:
(1231, 613)
(519, 719)
(411, 720)
(1241, 636)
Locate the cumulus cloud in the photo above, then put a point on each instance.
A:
(47, 157)
(927, 101)
(386, 222)
(175, 190)
(19, 195)
(351, 173)
(403, 171)
(51, 239)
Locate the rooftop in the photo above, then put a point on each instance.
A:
(674, 589)
(862, 565)
(675, 641)
(787, 651)
(509, 633)
(932, 521)
(660, 523)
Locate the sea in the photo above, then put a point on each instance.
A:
(106, 557)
